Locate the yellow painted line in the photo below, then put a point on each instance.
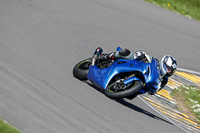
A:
(166, 107)
(164, 91)
(190, 126)
(173, 114)
(165, 95)
(186, 116)
(170, 111)
(190, 121)
(152, 98)
(177, 116)
(162, 97)
(159, 107)
(191, 77)
(152, 101)
(196, 77)
(195, 129)
(167, 114)
(173, 83)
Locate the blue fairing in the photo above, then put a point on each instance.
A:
(102, 77)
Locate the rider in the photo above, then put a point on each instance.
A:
(167, 65)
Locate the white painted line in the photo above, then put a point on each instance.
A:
(188, 71)
(162, 114)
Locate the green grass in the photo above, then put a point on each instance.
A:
(185, 7)
(191, 98)
(7, 128)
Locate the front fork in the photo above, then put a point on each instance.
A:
(96, 54)
(94, 59)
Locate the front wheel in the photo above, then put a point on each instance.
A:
(81, 69)
(118, 90)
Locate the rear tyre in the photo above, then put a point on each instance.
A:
(117, 90)
(81, 69)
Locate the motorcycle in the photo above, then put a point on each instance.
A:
(123, 78)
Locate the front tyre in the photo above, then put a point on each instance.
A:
(81, 69)
(118, 90)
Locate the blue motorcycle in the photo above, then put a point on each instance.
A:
(122, 78)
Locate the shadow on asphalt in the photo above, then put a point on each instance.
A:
(130, 105)
(140, 110)
(93, 86)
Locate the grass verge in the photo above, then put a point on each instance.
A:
(7, 128)
(189, 8)
(188, 100)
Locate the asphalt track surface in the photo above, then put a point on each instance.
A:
(41, 41)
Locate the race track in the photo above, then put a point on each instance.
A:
(41, 41)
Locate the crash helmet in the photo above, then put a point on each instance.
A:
(168, 65)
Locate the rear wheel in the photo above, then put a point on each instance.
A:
(119, 90)
(81, 69)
